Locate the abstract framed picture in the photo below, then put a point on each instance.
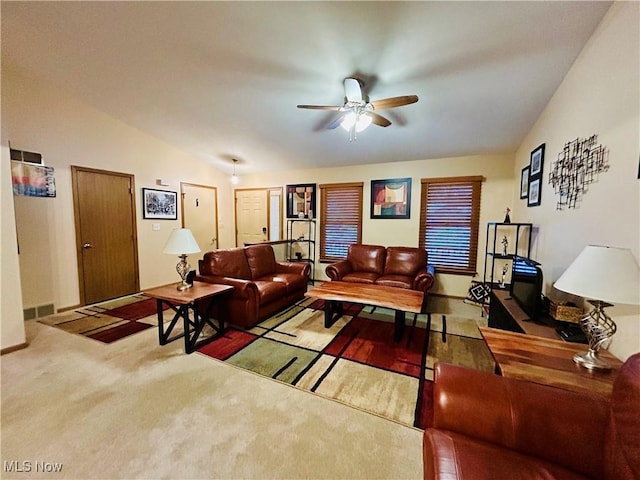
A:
(301, 200)
(534, 193)
(537, 161)
(159, 204)
(524, 182)
(391, 198)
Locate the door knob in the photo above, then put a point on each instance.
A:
(87, 245)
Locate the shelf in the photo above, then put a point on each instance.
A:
(305, 227)
(518, 243)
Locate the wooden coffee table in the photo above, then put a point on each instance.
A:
(399, 299)
(547, 361)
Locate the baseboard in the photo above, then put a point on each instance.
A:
(14, 348)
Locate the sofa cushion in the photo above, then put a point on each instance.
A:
(361, 277)
(228, 263)
(293, 282)
(398, 281)
(269, 291)
(449, 455)
(367, 258)
(261, 259)
(405, 261)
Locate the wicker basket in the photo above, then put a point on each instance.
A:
(565, 313)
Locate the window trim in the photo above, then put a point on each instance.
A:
(476, 183)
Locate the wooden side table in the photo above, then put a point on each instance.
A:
(184, 303)
(547, 361)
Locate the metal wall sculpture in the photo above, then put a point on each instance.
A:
(579, 164)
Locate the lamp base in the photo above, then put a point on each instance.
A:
(591, 361)
(184, 286)
(598, 328)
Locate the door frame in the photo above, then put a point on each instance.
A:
(210, 187)
(76, 220)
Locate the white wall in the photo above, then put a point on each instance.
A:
(496, 197)
(66, 132)
(600, 95)
(11, 324)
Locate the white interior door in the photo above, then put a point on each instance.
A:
(252, 217)
(200, 214)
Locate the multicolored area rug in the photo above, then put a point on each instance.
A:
(108, 321)
(356, 361)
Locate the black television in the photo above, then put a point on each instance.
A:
(526, 286)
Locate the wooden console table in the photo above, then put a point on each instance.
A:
(547, 361)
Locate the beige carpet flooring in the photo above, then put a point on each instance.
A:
(133, 409)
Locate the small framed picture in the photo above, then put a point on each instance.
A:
(534, 193)
(159, 204)
(524, 182)
(391, 198)
(537, 160)
(301, 200)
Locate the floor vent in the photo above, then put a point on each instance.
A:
(38, 312)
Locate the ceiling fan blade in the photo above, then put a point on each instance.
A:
(394, 102)
(378, 120)
(352, 90)
(322, 107)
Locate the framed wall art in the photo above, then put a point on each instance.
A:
(534, 193)
(159, 204)
(536, 166)
(537, 161)
(301, 200)
(391, 198)
(524, 182)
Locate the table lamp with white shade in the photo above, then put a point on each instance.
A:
(601, 275)
(182, 243)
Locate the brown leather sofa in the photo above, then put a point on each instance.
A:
(262, 286)
(403, 267)
(489, 427)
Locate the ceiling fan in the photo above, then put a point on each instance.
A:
(358, 112)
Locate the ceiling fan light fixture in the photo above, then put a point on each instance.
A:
(360, 120)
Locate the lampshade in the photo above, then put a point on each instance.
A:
(181, 242)
(608, 274)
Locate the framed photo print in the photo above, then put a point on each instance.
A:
(534, 193)
(536, 163)
(159, 204)
(301, 200)
(524, 183)
(391, 198)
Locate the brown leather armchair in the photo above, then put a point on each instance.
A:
(402, 267)
(490, 427)
(262, 285)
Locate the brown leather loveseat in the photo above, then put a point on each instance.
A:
(495, 428)
(403, 267)
(262, 286)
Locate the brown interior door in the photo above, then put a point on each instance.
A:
(105, 234)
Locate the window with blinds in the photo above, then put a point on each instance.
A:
(340, 219)
(449, 222)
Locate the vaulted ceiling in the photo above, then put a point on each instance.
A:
(221, 80)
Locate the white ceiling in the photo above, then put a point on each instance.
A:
(221, 80)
